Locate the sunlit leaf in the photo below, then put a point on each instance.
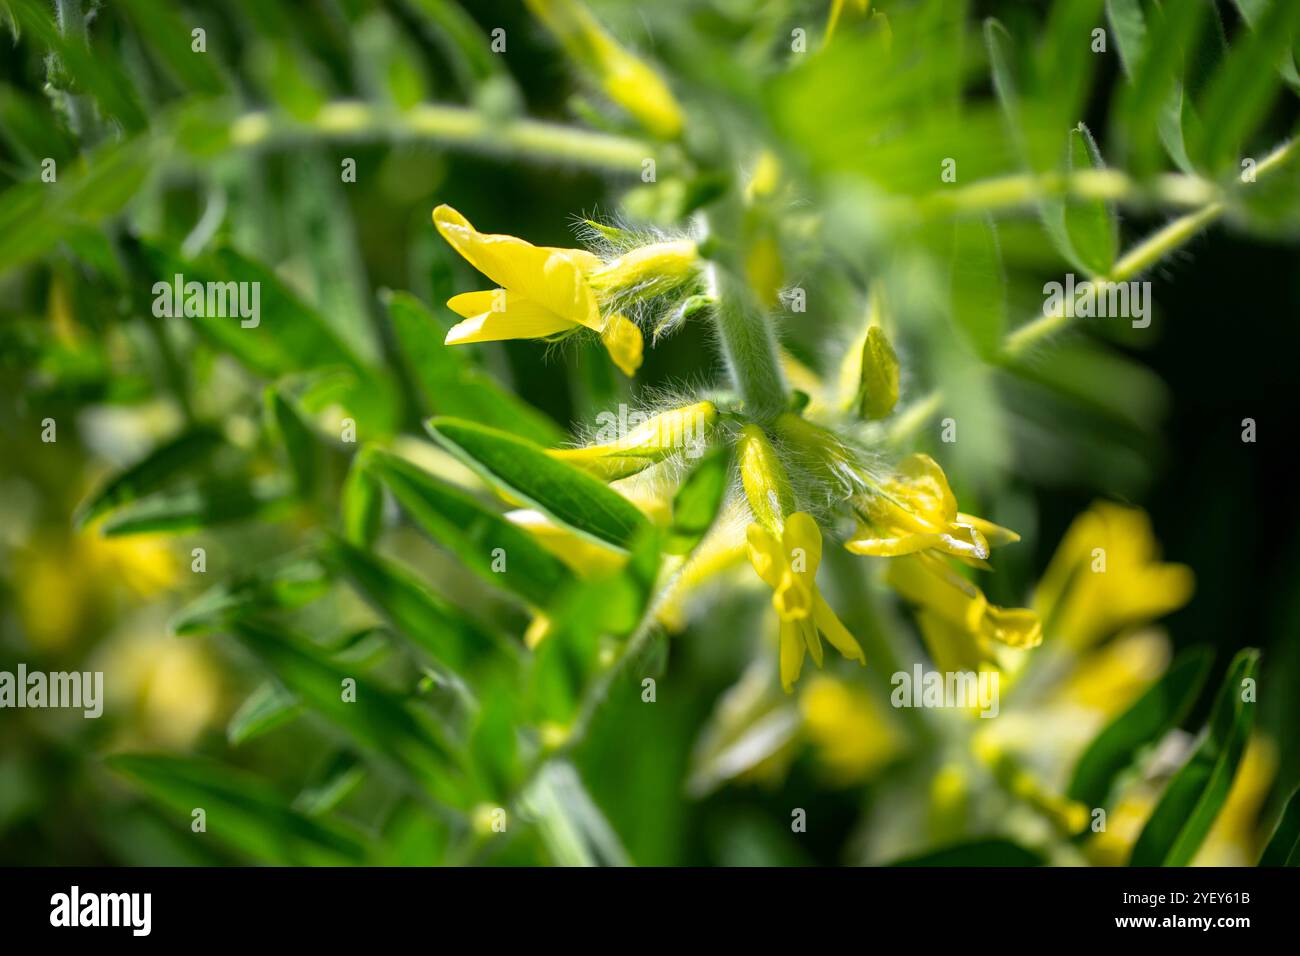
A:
(523, 470)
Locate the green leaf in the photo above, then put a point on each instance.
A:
(361, 504)
(696, 504)
(979, 286)
(168, 37)
(91, 74)
(189, 509)
(1198, 790)
(1251, 11)
(377, 719)
(431, 622)
(568, 659)
(266, 708)
(572, 827)
(992, 852)
(1162, 707)
(180, 455)
(1156, 106)
(289, 336)
(450, 384)
(335, 781)
(242, 811)
(1091, 224)
(523, 470)
(303, 447)
(1283, 847)
(281, 585)
(1129, 26)
(472, 533)
(1242, 89)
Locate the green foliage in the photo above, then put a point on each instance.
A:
(399, 653)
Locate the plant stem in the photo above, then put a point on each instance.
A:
(1026, 189)
(452, 126)
(1140, 258)
(745, 332)
(748, 345)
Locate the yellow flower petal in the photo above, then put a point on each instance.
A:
(793, 648)
(549, 277)
(520, 319)
(765, 555)
(838, 635)
(623, 341)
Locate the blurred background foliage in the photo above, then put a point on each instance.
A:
(321, 563)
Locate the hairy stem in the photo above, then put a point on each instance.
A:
(1141, 257)
(452, 126)
(748, 345)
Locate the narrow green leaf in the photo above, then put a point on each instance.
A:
(181, 455)
(1155, 108)
(450, 383)
(978, 285)
(336, 780)
(1159, 709)
(169, 38)
(1283, 847)
(1198, 790)
(301, 445)
(361, 504)
(285, 335)
(377, 719)
(572, 827)
(696, 504)
(428, 620)
(1091, 224)
(477, 536)
(279, 586)
(523, 470)
(189, 509)
(266, 708)
(91, 74)
(242, 811)
(1244, 86)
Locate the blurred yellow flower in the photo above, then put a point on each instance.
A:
(166, 687)
(851, 733)
(626, 80)
(62, 582)
(925, 580)
(1106, 575)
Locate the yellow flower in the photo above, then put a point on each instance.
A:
(1106, 576)
(925, 579)
(543, 292)
(651, 441)
(852, 735)
(789, 567)
(915, 510)
(626, 80)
